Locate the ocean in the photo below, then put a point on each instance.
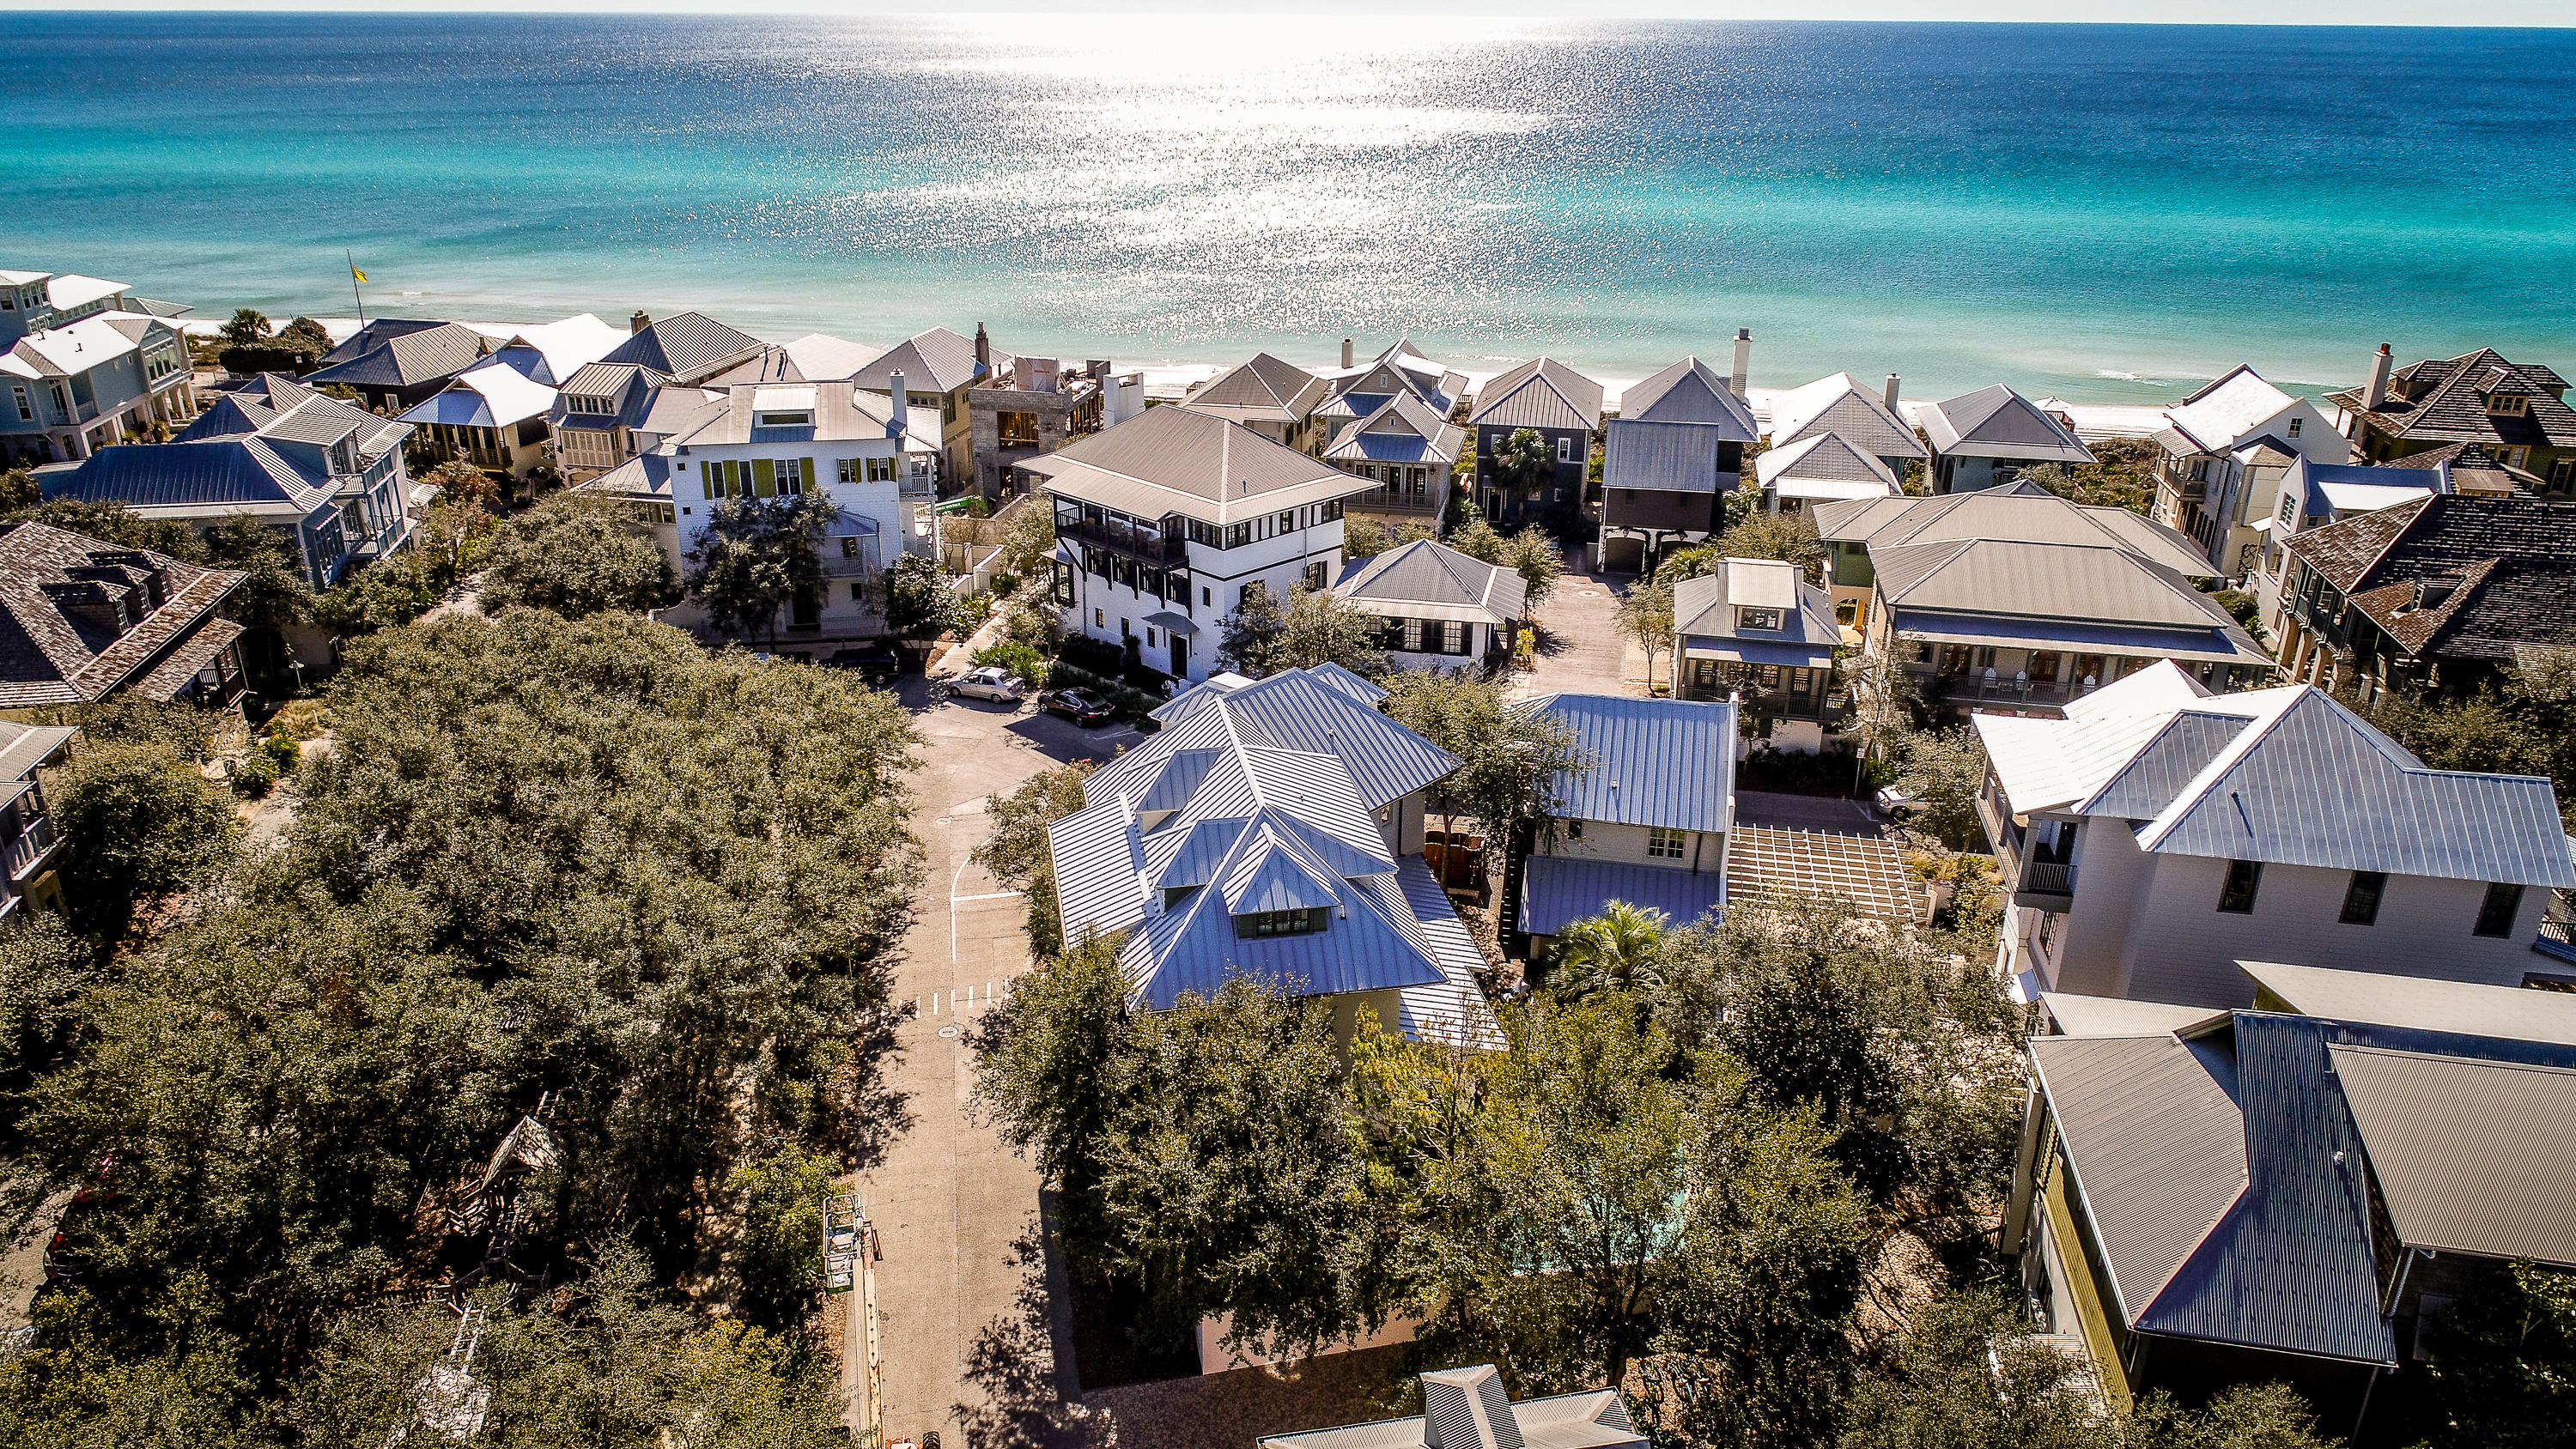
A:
(2105, 213)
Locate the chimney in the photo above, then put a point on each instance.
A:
(2375, 392)
(1346, 352)
(898, 410)
(1891, 392)
(637, 323)
(1743, 361)
(983, 351)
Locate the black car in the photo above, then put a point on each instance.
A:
(1078, 705)
(875, 663)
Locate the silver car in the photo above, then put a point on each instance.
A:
(989, 683)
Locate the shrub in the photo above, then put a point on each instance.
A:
(301, 719)
(1094, 655)
(256, 777)
(2243, 606)
(282, 751)
(1005, 585)
(1019, 659)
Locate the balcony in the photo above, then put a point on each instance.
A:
(1145, 545)
(29, 850)
(2045, 885)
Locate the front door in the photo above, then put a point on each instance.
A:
(1180, 657)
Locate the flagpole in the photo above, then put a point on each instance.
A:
(353, 288)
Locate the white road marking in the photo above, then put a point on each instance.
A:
(989, 896)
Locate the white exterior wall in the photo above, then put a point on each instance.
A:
(2148, 927)
(1217, 578)
(1603, 840)
(851, 587)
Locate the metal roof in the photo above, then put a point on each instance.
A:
(1690, 391)
(1466, 1413)
(23, 747)
(1666, 457)
(406, 358)
(1837, 404)
(1558, 890)
(2421, 1002)
(2076, 1015)
(939, 360)
(1266, 389)
(1402, 429)
(2049, 580)
(2469, 1154)
(689, 346)
(1704, 611)
(1177, 460)
(2017, 512)
(1827, 458)
(1997, 422)
(1427, 573)
(2223, 413)
(1655, 762)
(1540, 393)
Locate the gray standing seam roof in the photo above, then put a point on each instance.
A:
(691, 344)
(1263, 385)
(1161, 459)
(1427, 572)
(2453, 1144)
(939, 360)
(1997, 422)
(1664, 763)
(1558, 890)
(407, 359)
(1690, 391)
(1540, 393)
(1666, 457)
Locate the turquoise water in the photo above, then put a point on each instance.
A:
(2096, 211)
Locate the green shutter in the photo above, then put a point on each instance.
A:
(707, 479)
(764, 478)
(805, 475)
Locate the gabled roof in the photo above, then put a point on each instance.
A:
(237, 455)
(2325, 489)
(2227, 411)
(938, 360)
(564, 347)
(840, 411)
(377, 333)
(2510, 564)
(2285, 775)
(2450, 1141)
(53, 650)
(1653, 762)
(1264, 389)
(1704, 607)
(689, 346)
(77, 347)
(2444, 400)
(628, 387)
(1827, 467)
(2044, 580)
(1837, 404)
(821, 357)
(1540, 393)
(1403, 429)
(1431, 580)
(2019, 511)
(491, 394)
(404, 354)
(1690, 391)
(1666, 457)
(1997, 422)
(1179, 460)
(1359, 391)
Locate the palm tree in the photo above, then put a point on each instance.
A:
(247, 327)
(1613, 951)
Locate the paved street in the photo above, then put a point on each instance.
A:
(1581, 650)
(964, 1313)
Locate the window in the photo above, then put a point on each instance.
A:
(2562, 474)
(2236, 895)
(1280, 923)
(1100, 618)
(881, 470)
(785, 420)
(1064, 583)
(1207, 598)
(1565, 450)
(1662, 844)
(2361, 898)
(1757, 619)
(2509, 405)
(1413, 636)
(1453, 637)
(2294, 426)
(27, 405)
(848, 471)
(2496, 912)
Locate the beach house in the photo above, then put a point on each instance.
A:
(1408, 450)
(1668, 461)
(1270, 395)
(2158, 833)
(598, 415)
(1755, 631)
(1031, 406)
(688, 349)
(1437, 608)
(2293, 1194)
(1357, 390)
(2225, 450)
(85, 363)
(492, 415)
(98, 620)
(2514, 414)
(1822, 468)
(1560, 405)
(395, 363)
(1986, 437)
(1865, 420)
(1274, 831)
(2015, 599)
(938, 368)
(1164, 522)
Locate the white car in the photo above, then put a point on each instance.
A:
(994, 684)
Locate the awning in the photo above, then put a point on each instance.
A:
(1757, 651)
(1180, 624)
(1558, 890)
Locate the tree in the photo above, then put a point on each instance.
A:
(577, 555)
(1323, 629)
(1477, 540)
(460, 482)
(1028, 540)
(247, 328)
(1524, 465)
(1967, 1375)
(275, 593)
(1509, 757)
(139, 822)
(1539, 562)
(173, 1381)
(2504, 1370)
(1613, 951)
(1646, 616)
(1043, 1071)
(780, 1256)
(391, 592)
(2247, 1416)
(1254, 638)
(1884, 699)
(919, 602)
(757, 555)
(1789, 537)
(1364, 537)
(1944, 770)
(1016, 851)
(304, 336)
(44, 968)
(112, 522)
(19, 491)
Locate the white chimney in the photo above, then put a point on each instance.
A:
(1891, 392)
(1743, 360)
(2375, 392)
(898, 405)
(1346, 352)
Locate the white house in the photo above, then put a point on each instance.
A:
(2226, 449)
(1821, 468)
(1164, 521)
(1439, 609)
(785, 440)
(2157, 835)
(84, 364)
(1987, 437)
(1837, 404)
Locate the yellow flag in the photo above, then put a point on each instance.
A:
(361, 276)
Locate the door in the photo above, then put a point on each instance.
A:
(1180, 657)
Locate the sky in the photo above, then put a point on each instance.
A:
(2503, 13)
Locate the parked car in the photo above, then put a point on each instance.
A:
(999, 685)
(1078, 705)
(1895, 804)
(878, 664)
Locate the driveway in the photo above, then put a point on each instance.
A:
(967, 1317)
(1580, 648)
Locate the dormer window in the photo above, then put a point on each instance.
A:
(2508, 405)
(1758, 619)
(1280, 923)
(786, 420)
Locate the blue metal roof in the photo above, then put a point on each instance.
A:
(1655, 762)
(215, 472)
(1558, 890)
(1670, 457)
(458, 407)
